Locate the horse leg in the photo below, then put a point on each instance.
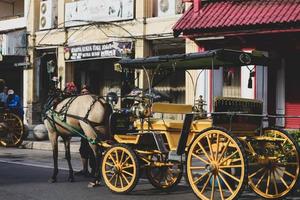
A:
(90, 133)
(53, 139)
(68, 157)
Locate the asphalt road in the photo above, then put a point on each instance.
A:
(24, 174)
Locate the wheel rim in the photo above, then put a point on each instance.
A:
(14, 128)
(164, 177)
(216, 166)
(119, 169)
(275, 170)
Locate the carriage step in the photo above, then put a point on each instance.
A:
(173, 156)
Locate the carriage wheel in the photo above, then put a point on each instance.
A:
(14, 130)
(165, 177)
(216, 165)
(274, 168)
(120, 169)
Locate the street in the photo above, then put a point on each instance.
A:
(24, 174)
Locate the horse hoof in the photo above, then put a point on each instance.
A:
(51, 180)
(94, 184)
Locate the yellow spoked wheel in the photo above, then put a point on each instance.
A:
(120, 169)
(274, 167)
(164, 177)
(12, 130)
(216, 165)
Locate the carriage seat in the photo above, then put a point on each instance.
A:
(171, 108)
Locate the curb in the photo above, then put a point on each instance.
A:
(46, 146)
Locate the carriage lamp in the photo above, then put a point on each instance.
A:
(252, 74)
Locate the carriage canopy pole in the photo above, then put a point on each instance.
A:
(212, 83)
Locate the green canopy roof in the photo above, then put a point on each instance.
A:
(201, 60)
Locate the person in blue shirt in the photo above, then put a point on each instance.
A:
(14, 103)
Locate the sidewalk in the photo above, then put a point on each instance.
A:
(46, 145)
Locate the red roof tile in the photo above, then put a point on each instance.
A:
(234, 15)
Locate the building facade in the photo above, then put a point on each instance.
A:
(13, 44)
(81, 40)
(270, 26)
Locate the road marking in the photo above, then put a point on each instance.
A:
(32, 165)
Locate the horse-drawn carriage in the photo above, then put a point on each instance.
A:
(11, 128)
(220, 152)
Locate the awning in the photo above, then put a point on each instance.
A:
(228, 16)
(8, 59)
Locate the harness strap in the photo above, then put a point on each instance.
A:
(89, 110)
(66, 107)
(57, 121)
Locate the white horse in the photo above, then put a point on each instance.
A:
(86, 114)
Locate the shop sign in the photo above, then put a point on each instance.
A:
(98, 51)
(85, 11)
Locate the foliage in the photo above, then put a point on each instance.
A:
(295, 134)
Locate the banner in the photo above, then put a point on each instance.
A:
(98, 51)
(85, 11)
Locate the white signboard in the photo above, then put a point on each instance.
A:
(14, 43)
(82, 12)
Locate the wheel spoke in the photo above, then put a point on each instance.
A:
(220, 188)
(116, 180)
(206, 162)
(213, 188)
(252, 175)
(290, 151)
(210, 148)
(217, 151)
(109, 164)
(129, 166)
(230, 175)
(201, 177)
(121, 181)
(128, 173)
(112, 177)
(261, 178)
(122, 155)
(125, 161)
(226, 183)
(198, 167)
(274, 182)
(204, 151)
(206, 183)
(124, 177)
(268, 181)
(282, 180)
(227, 158)
(287, 173)
(112, 159)
(117, 156)
(109, 172)
(224, 150)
